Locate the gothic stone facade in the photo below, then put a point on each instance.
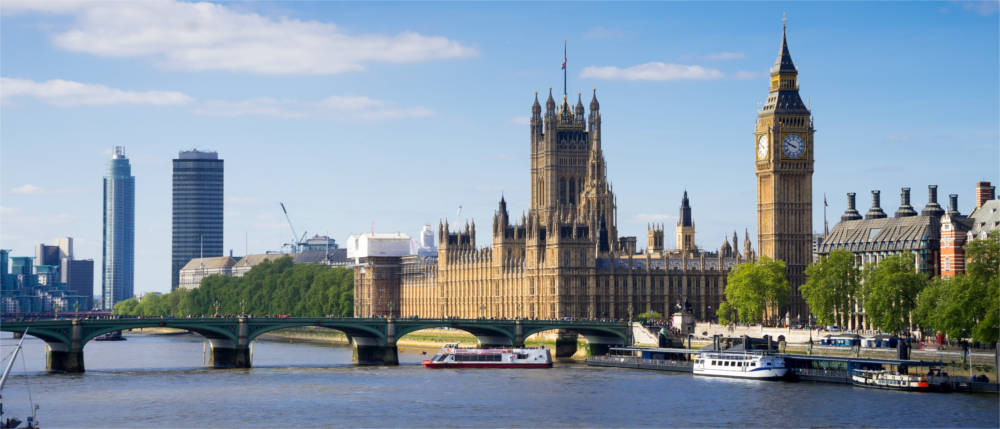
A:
(563, 258)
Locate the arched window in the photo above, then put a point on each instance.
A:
(572, 191)
(562, 190)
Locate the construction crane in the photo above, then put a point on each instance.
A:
(294, 245)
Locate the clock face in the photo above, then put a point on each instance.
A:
(762, 147)
(793, 146)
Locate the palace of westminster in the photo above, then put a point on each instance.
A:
(564, 257)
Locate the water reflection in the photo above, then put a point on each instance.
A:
(151, 381)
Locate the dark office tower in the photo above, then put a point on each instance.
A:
(197, 209)
(79, 275)
(118, 265)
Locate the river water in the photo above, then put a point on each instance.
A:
(160, 381)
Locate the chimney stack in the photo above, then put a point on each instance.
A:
(905, 209)
(984, 193)
(851, 213)
(876, 211)
(953, 205)
(932, 208)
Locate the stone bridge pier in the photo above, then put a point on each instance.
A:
(227, 353)
(371, 350)
(65, 357)
(597, 343)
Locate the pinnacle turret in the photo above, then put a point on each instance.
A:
(784, 62)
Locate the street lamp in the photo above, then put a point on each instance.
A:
(482, 311)
(216, 308)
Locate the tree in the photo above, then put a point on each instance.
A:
(649, 315)
(725, 313)
(832, 287)
(890, 292)
(271, 287)
(126, 307)
(755, 291)
(966, 306)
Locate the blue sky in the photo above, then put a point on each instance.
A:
(397, 113)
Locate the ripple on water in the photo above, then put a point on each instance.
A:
(151, 381)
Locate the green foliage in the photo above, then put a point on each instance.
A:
(725, 313)
(967, 306)
(832, 287)
(890, 292)
(271, 287)
(755, 290)
(649, 315)
(125, 307)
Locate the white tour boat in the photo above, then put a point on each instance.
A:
(754, 365)
(453, 356)
(883, 379)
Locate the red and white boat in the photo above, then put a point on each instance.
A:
(453, 356)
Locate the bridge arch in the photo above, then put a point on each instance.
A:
(599, 338)
(487, 333)
(209, 332)
(351, 330)
(50, 336)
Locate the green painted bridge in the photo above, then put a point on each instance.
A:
(374, 340)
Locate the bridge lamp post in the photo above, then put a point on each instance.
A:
(519, 311)
(243, 307)
(216, 308)
(482, 311)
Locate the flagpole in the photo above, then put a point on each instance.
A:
(564, 69)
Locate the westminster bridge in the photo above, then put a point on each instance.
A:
(373, 339)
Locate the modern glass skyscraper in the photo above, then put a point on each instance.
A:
(118, 266)
(197, 209)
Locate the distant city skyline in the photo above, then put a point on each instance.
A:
(390, 101)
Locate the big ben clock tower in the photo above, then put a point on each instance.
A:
(784, 164)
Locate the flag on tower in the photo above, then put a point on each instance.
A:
(564, 55)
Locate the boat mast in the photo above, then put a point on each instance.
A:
(10, 363)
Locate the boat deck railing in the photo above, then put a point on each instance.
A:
(639, 360)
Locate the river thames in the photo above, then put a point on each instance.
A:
(160, 381)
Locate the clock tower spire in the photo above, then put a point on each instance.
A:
(784, 166)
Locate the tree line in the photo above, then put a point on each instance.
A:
(892, 295)
(271, 287)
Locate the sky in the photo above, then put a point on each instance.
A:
(389, 116)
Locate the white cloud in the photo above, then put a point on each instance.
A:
(726, 56)
(27, 189)
(68, 93)
(206, 36)
(520, 120)
(652, 71)
(349, 107)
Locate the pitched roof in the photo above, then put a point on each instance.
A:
(985, 218)
(253, 260)
(210, 263)
(333, 256)
(905, 233)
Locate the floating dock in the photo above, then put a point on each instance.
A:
(822, 369)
